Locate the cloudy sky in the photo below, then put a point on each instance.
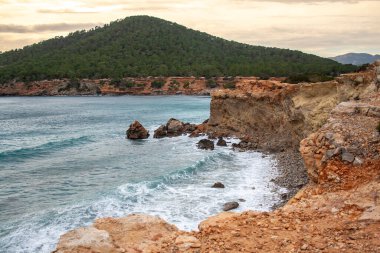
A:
(321, 27)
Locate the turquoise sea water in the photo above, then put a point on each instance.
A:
(64, 161)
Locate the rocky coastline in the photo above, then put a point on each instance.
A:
(148, 86)
(324, 132)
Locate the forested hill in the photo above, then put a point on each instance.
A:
(148, 46)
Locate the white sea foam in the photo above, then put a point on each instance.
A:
(184, 198)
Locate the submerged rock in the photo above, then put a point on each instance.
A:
(218, 185)
(206, 144)
(137, 131)
(230, 205)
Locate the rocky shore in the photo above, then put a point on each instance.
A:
(149, 86)
(334, 125)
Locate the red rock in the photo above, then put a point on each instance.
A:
(137, 131)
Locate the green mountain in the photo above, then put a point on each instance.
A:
(148, 46)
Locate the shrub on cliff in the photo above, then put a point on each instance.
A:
(115, 82)
(211, 83)
(308, 78)
(74, 83)
(174, 81)
(129, 83)
(230, 86)
(122, 84)
(186, 85)
(363, 67)
(157, 84)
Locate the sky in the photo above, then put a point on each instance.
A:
(321, 27)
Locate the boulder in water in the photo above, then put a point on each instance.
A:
(160, 132)
(230, 205)
(218, 185)
(137, 131)
(174, 128)
(206, 144)
(221, 142)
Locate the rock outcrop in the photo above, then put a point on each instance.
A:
(348, 140)
(230, 206)
(174, 128)
(134, 233)
(136, 131)
(221, 142)
(206, 144)
(271, 115)
(218, 185)
(262, 109)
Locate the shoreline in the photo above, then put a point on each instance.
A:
(336, 127)
(293, 174)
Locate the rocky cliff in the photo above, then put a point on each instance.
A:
(277, 115)
(338, 211)
(126, 86)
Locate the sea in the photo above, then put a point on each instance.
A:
(65, 161)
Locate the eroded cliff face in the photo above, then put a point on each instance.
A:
(275, 115)
(350, 137)
(338, 211)
(262, 111)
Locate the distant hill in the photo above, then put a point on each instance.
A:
(148, 46)
(356, 58)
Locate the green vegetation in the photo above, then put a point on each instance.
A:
(230, 86)
(174, 81)
(143, 46)
(124, 84)
(211, 83)
(312, 78)
(73, 83)
(140, 85)
(173, 86)
(363, 67)
(158, 84)
(186, 85)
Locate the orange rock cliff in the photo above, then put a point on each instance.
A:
(126, 86)
(334, 126)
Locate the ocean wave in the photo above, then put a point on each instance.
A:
(44, 149)
(183, 197)
(206, 164)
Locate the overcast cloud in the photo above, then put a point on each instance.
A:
(322, 27)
